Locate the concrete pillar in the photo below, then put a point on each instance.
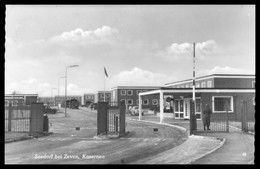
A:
(140, 106)
(161, 106)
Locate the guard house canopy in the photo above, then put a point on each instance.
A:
(186, 93)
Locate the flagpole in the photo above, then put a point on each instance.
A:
(104, 86)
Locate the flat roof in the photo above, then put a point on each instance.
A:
(136, 87)
(215, 76)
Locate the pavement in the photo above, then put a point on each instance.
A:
(235, 147)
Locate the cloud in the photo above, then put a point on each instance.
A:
(224, 70)
(105, 34)
(30, 81)
(185, 50)
(137, 76)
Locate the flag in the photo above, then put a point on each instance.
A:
(105, 72)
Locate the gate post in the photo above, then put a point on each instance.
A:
(102, 117)
(227, 117)
(10, 117)
(193, 120)
(122, 118)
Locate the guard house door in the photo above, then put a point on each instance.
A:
(179, 109)
(187, 108)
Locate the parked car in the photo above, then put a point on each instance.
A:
(49, 110)
(135, 111)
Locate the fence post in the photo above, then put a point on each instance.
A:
(102, 118)
(121, 118)
(246, 122)
(10, 117)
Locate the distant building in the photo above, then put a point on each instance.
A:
(47, 100)
(101, 96)
(88, 98)
(61, 98)
(129, 95)
(14, 99)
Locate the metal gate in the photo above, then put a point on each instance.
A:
(247, 118)
(20, 117)
(110, 118)
(218, 120)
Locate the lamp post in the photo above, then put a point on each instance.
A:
(66, 87)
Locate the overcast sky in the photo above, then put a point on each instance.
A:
(138, 45)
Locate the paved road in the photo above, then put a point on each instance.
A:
(70, 146)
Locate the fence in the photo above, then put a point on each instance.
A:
(24, 118)
(218, 119)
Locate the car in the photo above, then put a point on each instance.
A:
(135, 111)
(49, 110)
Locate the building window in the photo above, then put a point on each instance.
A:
(177, 105)
(187, 85)
(253, 84)
(209, 84)
(197, 85)
(123, 92)
(222, 103)
(181, 105)
(155, 102)
(146, 102)
(107, 95)
(102, 95)
(129, 92)
(178, 86)
(123, 100)
(6, 102)
(138, 91)
(203, 84)
(130, 101)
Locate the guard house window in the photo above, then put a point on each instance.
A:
(146, 101)
(129, 92)
(220, 103)
(138, 91)
(203, 84)
(181, 105)
(123, 92)
(155, 102)
(129, 101)
(209, 84)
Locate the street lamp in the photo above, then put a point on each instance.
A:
(66, 87)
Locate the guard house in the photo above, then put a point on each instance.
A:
(209, 89)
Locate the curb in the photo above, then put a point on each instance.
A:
(223, 140)
(209, 152)
(166, 124)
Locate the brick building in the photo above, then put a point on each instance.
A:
(101, 96)
(14, 99)
(212, 90)
(129, 95)
(88, 98)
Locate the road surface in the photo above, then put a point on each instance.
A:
(70, 146)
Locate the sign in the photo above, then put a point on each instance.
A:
(169, 99)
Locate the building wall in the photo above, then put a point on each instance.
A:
(206, 98)
(234, 82)
(198, 83)
(99, 96)
(135, 99)
(21, 98)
